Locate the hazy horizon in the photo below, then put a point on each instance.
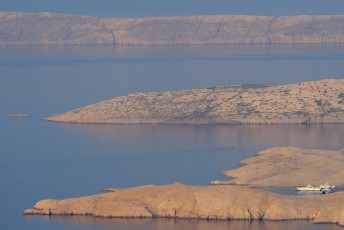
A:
(139, 8)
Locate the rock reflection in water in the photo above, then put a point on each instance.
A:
(324, 136)
(169, 224)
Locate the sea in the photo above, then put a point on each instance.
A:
(48, 160)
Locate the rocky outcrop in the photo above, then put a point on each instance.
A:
(201, 202)
(308, 102)
(289, 166)
(19, 115)
(55, 28)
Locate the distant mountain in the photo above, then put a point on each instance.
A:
(308, 102)
(54, 28)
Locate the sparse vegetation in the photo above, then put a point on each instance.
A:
(318, 102)
(341, 96)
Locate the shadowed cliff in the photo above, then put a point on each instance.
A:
(54, 28)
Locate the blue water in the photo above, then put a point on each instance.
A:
(139, 8)
(40, 159)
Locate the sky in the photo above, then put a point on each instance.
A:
(144, 8)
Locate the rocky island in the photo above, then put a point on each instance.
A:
(17, 28)
(301, 103)
(19, 115)
(222, 202)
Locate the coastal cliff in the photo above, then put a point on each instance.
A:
(18, 28)
(301, 103)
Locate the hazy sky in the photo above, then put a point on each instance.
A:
(139, 8)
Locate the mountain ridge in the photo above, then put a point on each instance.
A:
(18, 28)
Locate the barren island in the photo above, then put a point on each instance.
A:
(301, 103)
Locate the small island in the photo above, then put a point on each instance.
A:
(19, 115)
(221, 202)
(300, 103)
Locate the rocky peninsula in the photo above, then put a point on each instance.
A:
(222, 202)
(17, 28)
(289, 166)
(301, 103)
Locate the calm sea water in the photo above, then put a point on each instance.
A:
(139, 8)
(40, 159)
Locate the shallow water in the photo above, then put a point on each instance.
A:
(40, 159)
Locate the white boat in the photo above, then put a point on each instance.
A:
(309, 187)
